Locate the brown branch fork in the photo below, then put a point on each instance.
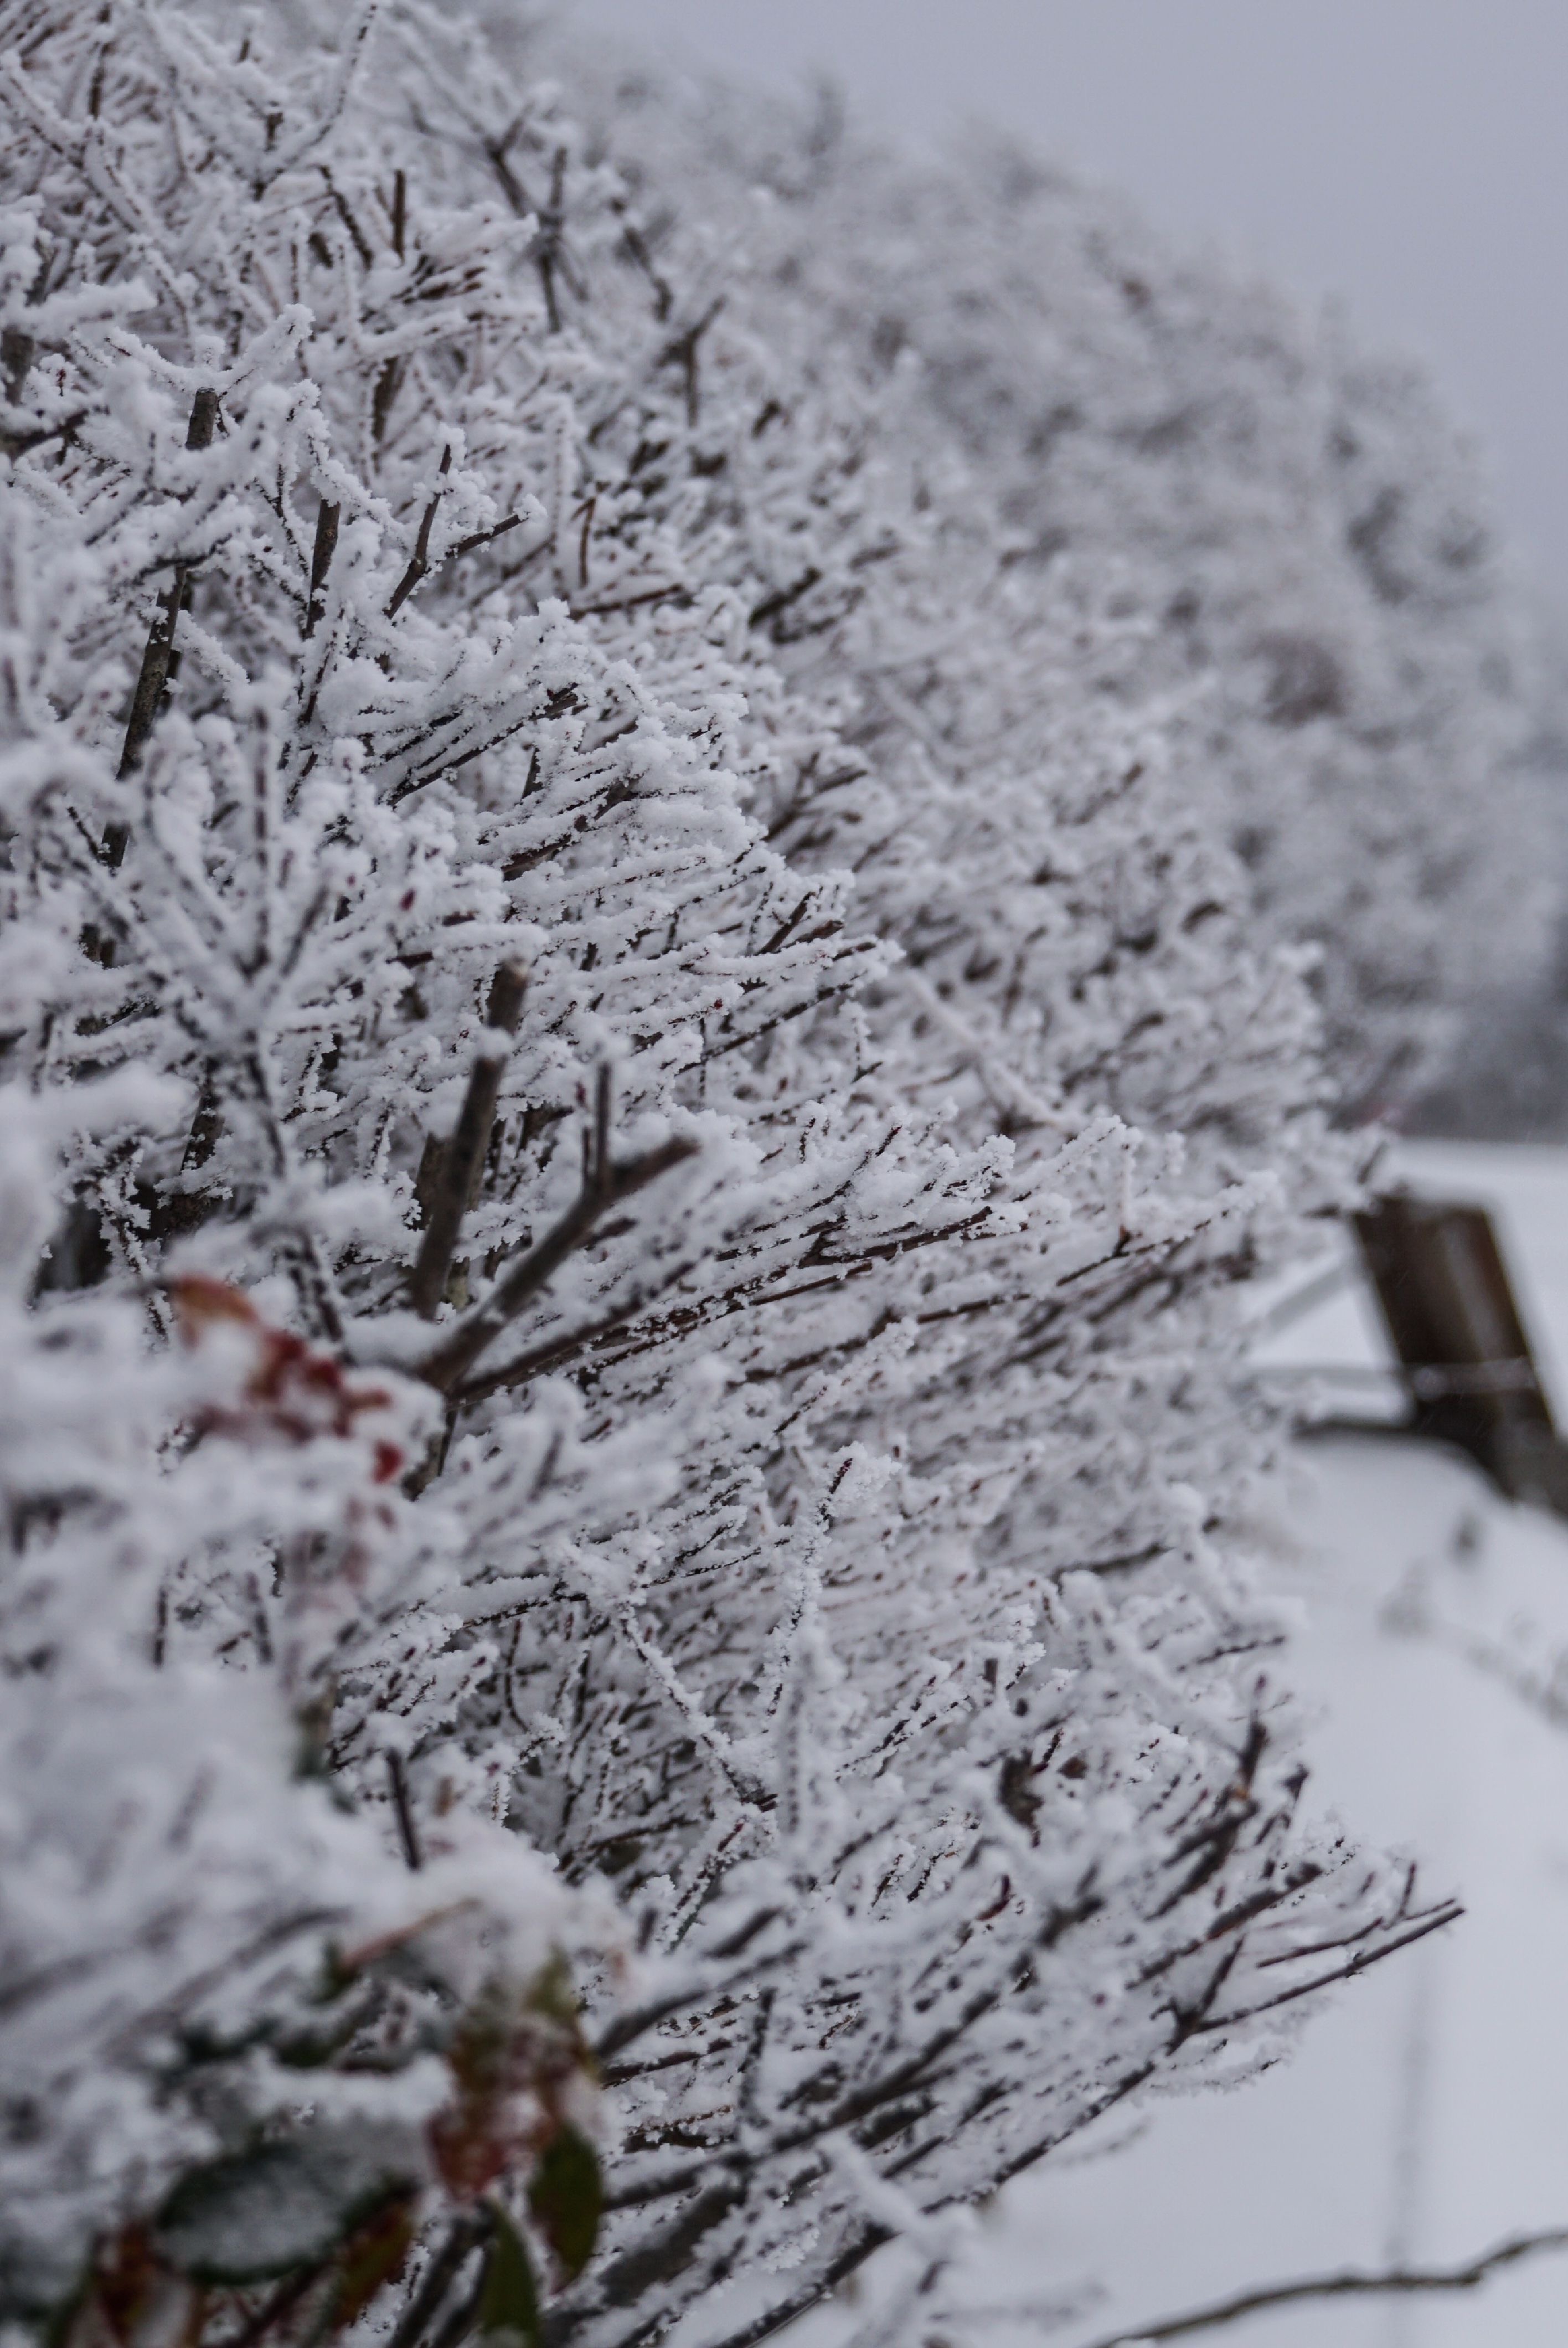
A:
(607, 1182)
(462, 1158)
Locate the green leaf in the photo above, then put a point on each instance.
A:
(509, 2304)
(567, 2196)
(268, 2211)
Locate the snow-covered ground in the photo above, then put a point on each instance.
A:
(1426, 2112)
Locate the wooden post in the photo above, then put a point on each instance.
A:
(1466, 1363)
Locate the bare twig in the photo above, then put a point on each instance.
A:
(683, 351)
(550, 254)
(772, 606)
(317, 1288)
(384, 398)
(481, 538)
(22, 444)
(463, 2317)
(547, 252)
(407, 1832)
(637, 246)
(606, 1183)
(17, 350)
(357, 235)
(419, 569)
(320, 563)
(1348, 2285)
(153, 681)
(419, 563)
(558, 1350)
(497, 149)
(465, 2234)
(277, 2305)
(463, 1155)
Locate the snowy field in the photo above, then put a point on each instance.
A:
(1426, 2114)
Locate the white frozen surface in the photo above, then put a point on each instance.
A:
(1426, 2112)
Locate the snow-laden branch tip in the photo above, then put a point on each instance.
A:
(1352, 2283)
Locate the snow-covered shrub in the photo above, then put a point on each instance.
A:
(237, 2030)
(672, 946)
(1368, 698)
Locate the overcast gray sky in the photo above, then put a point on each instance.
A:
(1411, 155)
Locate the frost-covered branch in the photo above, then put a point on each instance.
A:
(1393, 2281)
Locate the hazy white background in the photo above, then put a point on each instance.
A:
(1411, 155)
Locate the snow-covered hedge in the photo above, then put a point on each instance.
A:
(1367, 701)
(656, 1106)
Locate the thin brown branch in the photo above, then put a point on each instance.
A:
(356, 234)
(18, 351)
(548, 253)
(419, 563)
(322, 554)
(1436, 1920)
(556, 1350)
(607, 1182)
(598, 609)
(407, 1831)
(636, 244)
(1348, 2285)
(277, 2304)
(596, 1162)
(465, 2234)
(463, 2317)
(22, 444)
(153, 681)
(772, 606)
(511, 186)
(481, 538)
(317, 1289)
(683, 351)
(384, 398)
(462, 1158)
(747, 1295)
(468, 545)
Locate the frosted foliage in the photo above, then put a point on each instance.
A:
(189, 1923)
(660, 1105)
(1368, 700)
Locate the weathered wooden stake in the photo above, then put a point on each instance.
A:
(1468, 1368)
